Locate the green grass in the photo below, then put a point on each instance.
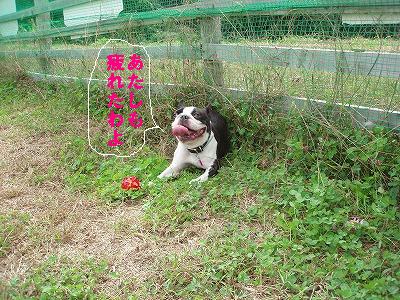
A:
(309, 243)
(10, 227)
(306, 207)
(62, 278)
(102, 176)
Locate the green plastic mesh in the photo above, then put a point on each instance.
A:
(142, 10)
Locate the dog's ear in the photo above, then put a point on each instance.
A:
(180, 105)
(208, 108)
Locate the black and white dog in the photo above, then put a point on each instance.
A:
(202, 135)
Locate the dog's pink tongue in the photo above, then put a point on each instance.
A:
(180, 130)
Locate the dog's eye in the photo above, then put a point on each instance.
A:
(196, 115)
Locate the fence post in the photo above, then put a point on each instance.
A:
(43, 23)
(210, 28)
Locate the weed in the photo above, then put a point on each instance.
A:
(61, 278)
(11, 225)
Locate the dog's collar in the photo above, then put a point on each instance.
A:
(201, 147)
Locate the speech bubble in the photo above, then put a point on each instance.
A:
(149, 99)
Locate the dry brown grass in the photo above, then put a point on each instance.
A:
(72, 224)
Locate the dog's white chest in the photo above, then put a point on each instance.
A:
(202, 160)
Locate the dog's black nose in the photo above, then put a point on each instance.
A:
(184, 117)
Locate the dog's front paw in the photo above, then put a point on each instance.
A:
(198, 179)
(168, 172)
(161, 176)
(164, 177)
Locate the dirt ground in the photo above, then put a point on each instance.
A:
(73, 224)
